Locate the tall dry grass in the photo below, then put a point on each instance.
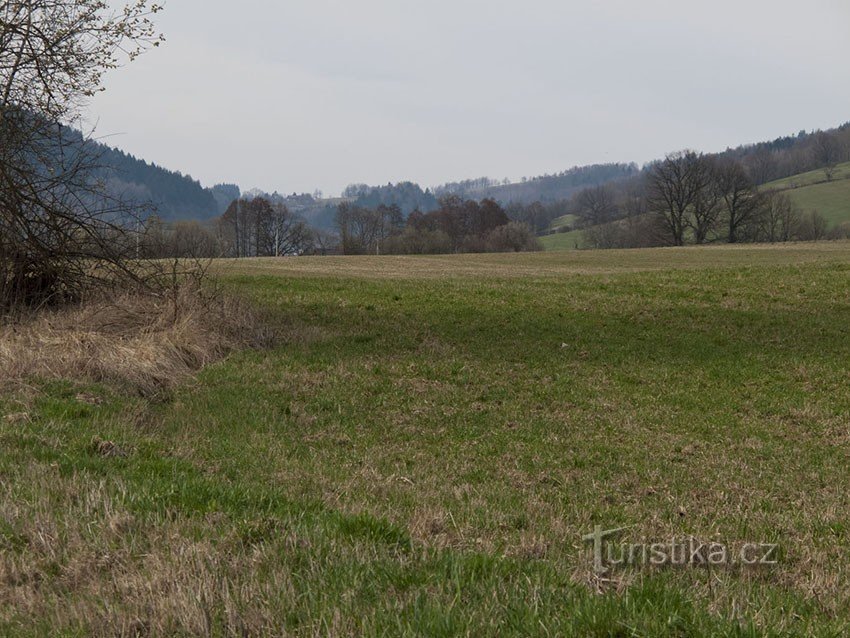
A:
(146, 342)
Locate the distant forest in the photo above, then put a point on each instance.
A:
(544, 189)
(173, 195)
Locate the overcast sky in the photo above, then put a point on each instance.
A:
(294, 95)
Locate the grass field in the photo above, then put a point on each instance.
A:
(811, 192)
(425, 448)
(573, 240)
(564, 220)
(811, 178)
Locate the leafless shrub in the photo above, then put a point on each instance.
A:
(841, 231)
(812, 227)
(512, 237)
(61, 233)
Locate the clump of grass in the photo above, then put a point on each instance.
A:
(145, 342)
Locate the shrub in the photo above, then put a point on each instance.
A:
(513, 237)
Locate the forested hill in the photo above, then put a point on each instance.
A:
(175, 196)
(545, 188)
(406, 195)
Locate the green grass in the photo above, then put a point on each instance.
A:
(424, 450)
(810, 178)
(563, 220)
(832, 200)
(572, 240)
(811, 192)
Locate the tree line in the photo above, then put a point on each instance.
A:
(253, 227)
(692, 198)
(457, 225)
(545, 189)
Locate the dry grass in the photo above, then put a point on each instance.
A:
(545, 265)
(130, 576)
(145, 342)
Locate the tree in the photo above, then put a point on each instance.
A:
(152, 240)
(361, 230)
(60, 231)
(706, 207)
(596, 205)
(779, 218)
(812, 227)
(288, 234)
(512, 237)
(190, 239)
(674, 186)
(259, 228)
(740, 198)
(762, 165)
(232, 227)
(827, 153)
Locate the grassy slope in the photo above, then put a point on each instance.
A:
(425, 450)
(564, 220)
(811, 192)
(563, 241)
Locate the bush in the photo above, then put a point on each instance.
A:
(812, 227)
(841, 231)
(418, 242)
(634, 232)
(512, 237)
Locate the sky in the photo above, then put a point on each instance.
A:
(299, 95)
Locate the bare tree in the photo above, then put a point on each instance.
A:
(289, 234)
(597, 205)
(674, 185)
(324, 242)
(707, 203)
(59, 231)
(779, 218)
(761, 165)
(364, 230)
(827, 153)
(189, 239)
(812, 227)
(740, 197)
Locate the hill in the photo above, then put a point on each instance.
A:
(811, 191)
(570, 240)
(175, 195)
(545, 188)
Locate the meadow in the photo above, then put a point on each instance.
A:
(811, 192)
(570, 240)
(429, 440)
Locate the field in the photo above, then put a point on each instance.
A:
(564, 220)
(811, 191)
(424, 449)
(572, 240)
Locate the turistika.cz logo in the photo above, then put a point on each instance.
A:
(610, 555)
